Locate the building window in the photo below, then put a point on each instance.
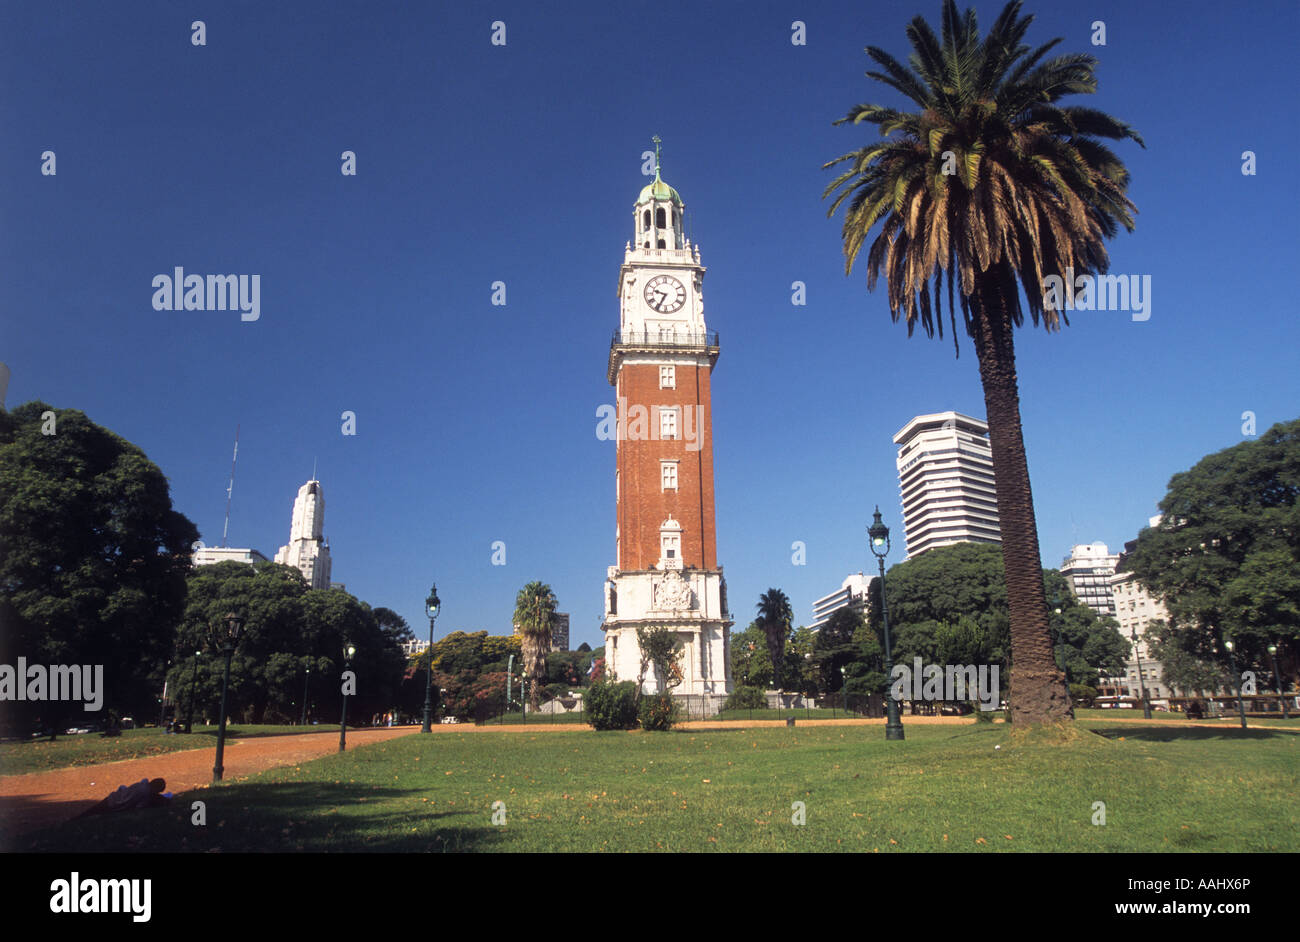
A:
(667, 377)
(668, 473)
(667, 424)
(645, 220)
(659, 219)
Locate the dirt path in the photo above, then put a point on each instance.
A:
(42, 799)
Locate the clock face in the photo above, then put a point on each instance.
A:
(665, 294)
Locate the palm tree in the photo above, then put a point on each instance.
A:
(775, 617)
(994, 185)
(534, 617)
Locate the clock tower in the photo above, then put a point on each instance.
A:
(660, 363)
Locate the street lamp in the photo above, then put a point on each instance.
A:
(194, 679)
(1146, 703)
(1277, 678)
(306, 687)
(879, 534)
(431, 606)
(523, 694)
(229, 638)
(844, 687)
(348, 651)
(1236, 679)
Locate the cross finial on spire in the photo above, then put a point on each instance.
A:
(657, 142)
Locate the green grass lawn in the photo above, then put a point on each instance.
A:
(945, 788)
(41, 755)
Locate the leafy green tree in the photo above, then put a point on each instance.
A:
(775, 617)
(534, 618)
(1182, 669)
(993, 183)
(1225, 556)
(835, 648)
(750, 664)
(93, 558)
(661, 649)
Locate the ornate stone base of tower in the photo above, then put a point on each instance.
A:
(691, 602)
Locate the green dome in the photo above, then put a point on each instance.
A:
(658, 190)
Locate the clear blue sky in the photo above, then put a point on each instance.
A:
(479, 163)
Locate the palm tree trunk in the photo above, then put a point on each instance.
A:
(1038, 692)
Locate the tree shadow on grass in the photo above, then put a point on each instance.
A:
(1189, 733)
(286, 817)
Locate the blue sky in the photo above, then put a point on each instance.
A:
(519, 163)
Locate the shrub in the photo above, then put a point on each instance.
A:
(658, 711)
(612, 706)
(1083, 694)
(746, 698)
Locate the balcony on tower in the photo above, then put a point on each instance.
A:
(662, 340)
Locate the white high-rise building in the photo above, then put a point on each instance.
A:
(210, 555)
(852, 593)
(1088, 570)
(308, 551)
(945, 475)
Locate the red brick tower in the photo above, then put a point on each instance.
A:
(660, 363)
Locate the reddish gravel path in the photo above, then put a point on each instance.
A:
(42, 799)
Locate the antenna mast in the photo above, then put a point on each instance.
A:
(230, 489)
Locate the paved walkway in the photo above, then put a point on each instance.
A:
(42, 799)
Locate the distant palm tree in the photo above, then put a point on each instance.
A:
(994, 185)
(775, 617)
(534, 618)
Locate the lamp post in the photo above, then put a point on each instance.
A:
(1236, 679)
(229, 639)
(1277, 678)
(1060, 639)
(194, 680)
(431, 606)
(879, 534)
(1146, 703)
(844, 687)
(348, 651)
(306, 687)
(523, 694)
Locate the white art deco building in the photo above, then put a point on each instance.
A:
(945, 474)
(1088, 569)
(308, 551)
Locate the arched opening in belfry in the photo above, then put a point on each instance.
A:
(659, 218)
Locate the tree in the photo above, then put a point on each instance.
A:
(750, 664)
(1225, 556)
(661, 649)
(93, 557)
(774, 617)
(1181, 669)
(835, 648)
(993, 184)
(534, 618)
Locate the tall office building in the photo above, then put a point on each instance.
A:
(1088, 569)
(560, 632)
(945, 475)
(308, 551)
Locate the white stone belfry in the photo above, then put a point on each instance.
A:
(308, 551)
(661, 361)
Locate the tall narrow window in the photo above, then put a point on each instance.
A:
(645, 219)
(659, 218)
(667, 423)
(667, 377)
(668, 470)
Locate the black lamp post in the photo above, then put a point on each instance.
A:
(194, 680)
(1277, 678)
(879, 534)
(306, 687)
(431, 606)
(1146, 703)
(229, 639)
(1236, 679)
(348, 651)
(844, 687)
(523, 694)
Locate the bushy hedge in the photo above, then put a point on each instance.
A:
(612, 706)
(658, 711)
(746, 698)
